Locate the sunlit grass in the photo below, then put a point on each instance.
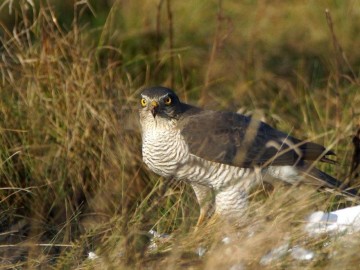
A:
(72, 178)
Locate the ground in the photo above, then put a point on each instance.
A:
(72, 178)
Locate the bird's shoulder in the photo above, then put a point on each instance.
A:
(196, 118)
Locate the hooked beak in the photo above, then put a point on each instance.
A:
(154, 108)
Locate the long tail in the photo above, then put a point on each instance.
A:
(325, 180)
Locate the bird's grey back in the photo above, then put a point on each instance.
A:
(238, 140)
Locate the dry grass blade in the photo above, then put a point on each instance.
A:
(72, 180)
(340, 56)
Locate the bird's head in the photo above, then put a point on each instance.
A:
(159, 102)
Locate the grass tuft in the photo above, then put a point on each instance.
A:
(72, 177)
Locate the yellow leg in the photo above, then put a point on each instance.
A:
(204, 212)
(205, 199)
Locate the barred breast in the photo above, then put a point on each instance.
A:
(166, 153)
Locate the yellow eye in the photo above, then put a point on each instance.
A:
(167, 101)
(143, 102)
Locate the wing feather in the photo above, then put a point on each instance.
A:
(238, 140)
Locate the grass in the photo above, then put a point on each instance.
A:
(72, 178)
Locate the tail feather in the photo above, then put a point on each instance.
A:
(325, 180)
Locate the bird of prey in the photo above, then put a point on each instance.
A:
(221, 154)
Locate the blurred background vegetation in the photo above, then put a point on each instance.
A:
(72, 179)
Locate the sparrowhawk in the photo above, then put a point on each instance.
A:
(221, 154)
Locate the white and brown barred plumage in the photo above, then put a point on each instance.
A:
(221, 154)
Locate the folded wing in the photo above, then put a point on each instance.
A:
(238, 140)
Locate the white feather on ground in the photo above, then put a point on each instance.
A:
(345, 220)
